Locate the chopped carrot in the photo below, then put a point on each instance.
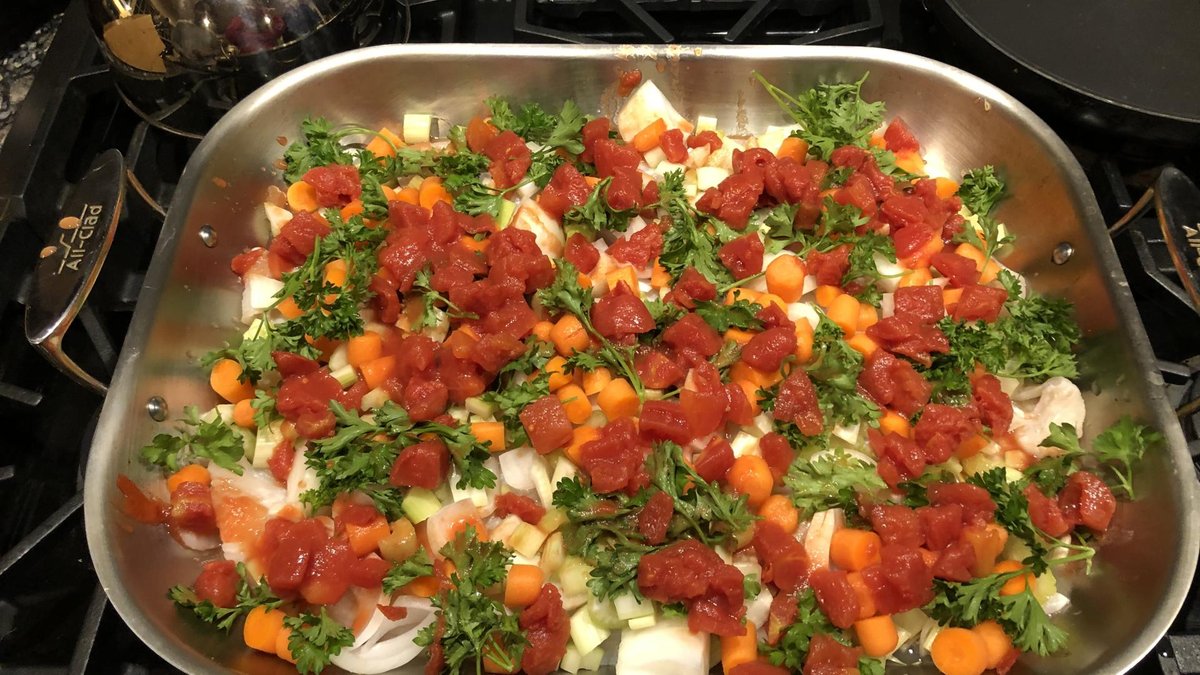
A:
(751, 476)
(432, 191)
(866, 601)
(594, 381)
(542, 330)
(288, 308)
(556, 369)
(734, 294)
(659, 277)
(743, 371)
(958, 651)
(971, 445)
(925, 253)
(224, 379)
(461, 341)
(804, 341)
(352, 209)
(946, 188)
(767, 299)
(785, 277)
(895, 423)
(867, 316)
(618, 399)
(844, 312)
(825, 295)
(489, 432)
(854, 550)
(363, 348)
(988, 268)
(262, 628)
(877, 141)
(477, 245)
(385, 143)
(575, 403)
(335, 272)
(877, 635)
(739, 649)
(302, 197)
(377, 371)
(243, 413)
(422, 587)
(192, 473)
(950, 297)
(778, 509)
(626, 274)
(1017, 584)
(794, 147)
(592, 181)
(739, 336)
(579, 437)
(911, 161)
(862, 343)
(995, 639)
(585, 281)
(917, 277)
(751, 391)
(365, 539)
(409, 195)
(283, 648)
(523, 584)
(647, 139)
(569, 335)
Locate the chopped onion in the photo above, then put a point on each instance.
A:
(385, 645)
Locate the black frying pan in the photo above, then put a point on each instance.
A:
(1128, 69)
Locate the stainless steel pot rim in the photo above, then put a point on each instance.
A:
(102, 454)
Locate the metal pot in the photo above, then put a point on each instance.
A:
(190, 299)
(181, 64)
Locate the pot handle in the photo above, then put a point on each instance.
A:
(69, 264)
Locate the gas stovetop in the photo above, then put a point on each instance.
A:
(53, 615)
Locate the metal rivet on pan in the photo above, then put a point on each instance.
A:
(208, 235)
(156, 407)
(1062, 253)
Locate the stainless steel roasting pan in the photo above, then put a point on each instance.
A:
(190, 299)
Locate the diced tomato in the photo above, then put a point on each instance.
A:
(979, 303)
(494, 350)
(566, 189)
(900, 458)
(479, 132)
(959, 270)
(288, 549)
(639, 248)
(692, 287)
(1045, 513)
(906, 211)
(335, 185)
(767, 350)
(693, 332)
(510, 158)
(734, 199)
(902, 581)
(369, 572)
(715, 461)
(995, 407)
(690, 572)
(424, 399)
(671, 142)
(955, 562)
(545, 421)
(218, 583)
(298, 238)
(941, 525)
(282, 458)
(192, 508)
(655, 516)
(941, 429)
(829, 268)
(896, 524)
(625, 191)
(304, 401)
(894, 382)
(245, 261)
(759, 667)
(709, 138)
(657, 370)
(425, 465)
(1087, 500)
(593, 131)
(797, 403)
(582, 253)
(611, 157)
(664, 420)
(898, 138)
(545, 626)
(857, 192)
(743, 256)
(923, 303)
(909, 336)
(827, 656)
(523, 507)
(835, 596)
(615, 460)
(328, 576)
(777, 453)
(977, 505)
(739, 411)
(621, 314)
(784, 561)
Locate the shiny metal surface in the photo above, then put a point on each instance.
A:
(71, 260)
(191, 299)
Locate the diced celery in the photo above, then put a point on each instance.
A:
(527, 539)
(570, 661)
(629, 607)
(979, 463)
(553, 554)
(604, 614)
(554, 519)
(507, 209)
(705, 123)
(744, 444)
(339, 358)
(541, 483)
(417, 128)
(255, 330)
(264, 443)
(563, 468)
(592, 660)
(419, 504)
(225, 412)
(375, 398)
(642, 622)
(585, 633)
(574, 575)
(345, 375)
(477, 406)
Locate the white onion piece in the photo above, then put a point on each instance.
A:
(887, 305)
(198, 542)
(441, 524)
(385, 645)
(516, 467)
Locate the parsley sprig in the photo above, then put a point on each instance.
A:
(1021, 615)
(832, 115)
(403, 573)
(603, 531)
(702, 509)
(693, 239)
(249, 596)
(212, 440)
(792, 648)
(314, 639)
(534, 124)
(832, 480)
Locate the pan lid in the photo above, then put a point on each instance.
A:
(1143, 56)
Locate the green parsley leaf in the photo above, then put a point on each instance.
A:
(1121, 446)
(1012, 511)
(320, 147)
(687, 243)
(264, 409)
(1021, 616)
(739, 314)
(751, 586)
(841, 218)
(862, 264)
(403, 573)
(212, 440)
(832, 480)
(511, 400)
(832, 115)
(792, 648)
(249, 596)
(834, 370)
(314, 639)
(980, 189)
(595, 216)
(433, 303)
(702, 509)
(602, 530)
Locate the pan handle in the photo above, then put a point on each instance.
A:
(67, 267)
